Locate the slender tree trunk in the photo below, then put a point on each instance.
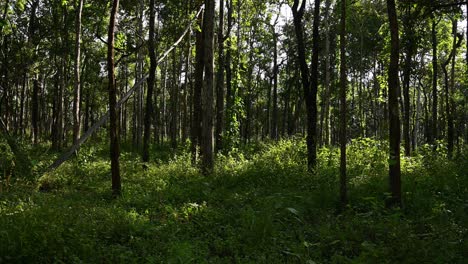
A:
(450, 89)
(163, 104)
(311, 101)
(207, 92)
(77, 98)
(274, 116)
(114, 126)
(174, 102)
(197, 92)
(325, 111)
(229, 91)
(35, 111)
(406, 84)
(185, 111)
(151, 78)
(394, 160)
(343, 83)
(298, 13)
(220, 81)
(434, 134)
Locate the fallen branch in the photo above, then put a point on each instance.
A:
(122, 101)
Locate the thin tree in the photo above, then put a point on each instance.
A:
(151, 78)
(220, 81)
(207, 92)
(450, 87)
(434, 133)
(343, 83)
(77, 96)
(394, 129)
(309, 84)
(35, 111)
(114, 126)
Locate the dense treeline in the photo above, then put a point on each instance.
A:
(245, 71)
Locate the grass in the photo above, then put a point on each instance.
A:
(259, 206)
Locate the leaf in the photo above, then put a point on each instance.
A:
(293, 211)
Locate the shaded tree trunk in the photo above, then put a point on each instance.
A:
(406, 82)
(449, 89)
(151, 78)
(35, 111)
(309, 85)
(343, 83)
(394, 159)
(114, 126)
(434, 133)
(207, 105)
(77, 95)
(197, 92)
(274, 116)
(220, 81)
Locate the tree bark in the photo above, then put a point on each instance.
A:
(394, 159)
(220, 81)
(77, 96)
(207, 92)
(312, 104)
(151, 78)
(309, 89)
(35, 111)
(343, 83)
(229, 90)
(450, 88)
(406, 81)
(114, 126)
(434, 133)
(274, 116)
(197, 93)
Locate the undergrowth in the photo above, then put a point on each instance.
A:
(260, 205)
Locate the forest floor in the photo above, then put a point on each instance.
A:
(259, 206)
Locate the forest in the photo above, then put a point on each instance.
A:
(233, 131)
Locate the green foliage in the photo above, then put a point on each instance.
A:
(7, 161)
(260, 205)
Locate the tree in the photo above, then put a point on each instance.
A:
(220, 81)
(151, 78)
(112, 89)
(207, 92)
(309, 84)
(197, 92)
(450, 88)
(343, 83)
(77, 95)
(434, 134)
(394, 119)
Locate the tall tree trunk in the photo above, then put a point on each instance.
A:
(311, 100)
(207, 92)
(229, 90)
(449, 89)
(325, 111)
(343, 83)
(114, 126)
(151, 77)
(174, 102)
(434, 134)
(77, 98)
(406, 83)
(220, 81)
(298, 13)
(35, 111)
(197, 92)
(274, 116)
(394, 159)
